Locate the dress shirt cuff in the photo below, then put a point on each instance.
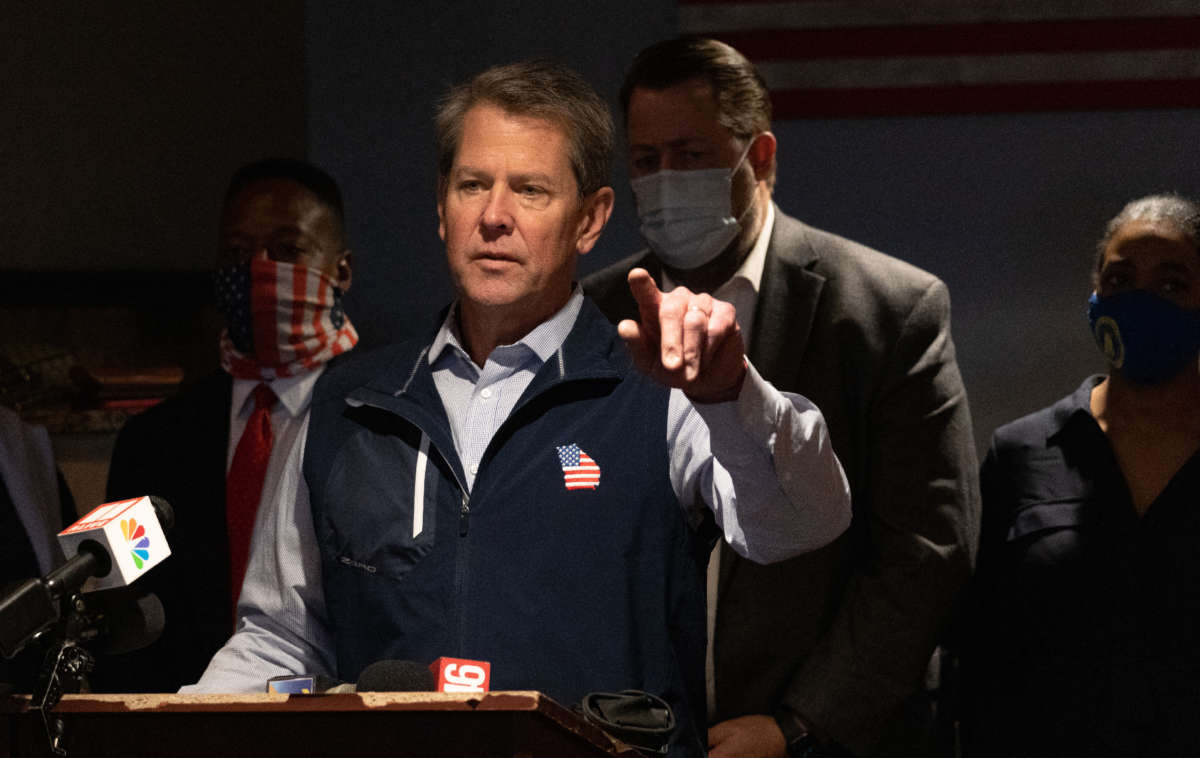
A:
(755, 412)
(765, 433)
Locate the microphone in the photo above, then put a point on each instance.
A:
(380, 676)
(121, 621)
(396, 676)
(443, 675)
(127, 535)
(113, 545)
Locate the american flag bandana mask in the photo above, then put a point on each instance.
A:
(282, 319)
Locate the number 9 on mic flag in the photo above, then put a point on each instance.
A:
(461, 675)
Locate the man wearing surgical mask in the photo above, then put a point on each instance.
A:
(218, 447)
(825, 654)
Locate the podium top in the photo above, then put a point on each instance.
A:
(516, 700)
(530, 706)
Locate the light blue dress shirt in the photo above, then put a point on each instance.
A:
(762, 463)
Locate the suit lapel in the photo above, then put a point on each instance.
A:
(207, 513)
(783, 319)
(787, 302)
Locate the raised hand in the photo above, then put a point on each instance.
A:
(686, 340)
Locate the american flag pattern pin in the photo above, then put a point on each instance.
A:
(579, 470)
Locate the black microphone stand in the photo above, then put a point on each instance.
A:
(53, 612)
(66, 665)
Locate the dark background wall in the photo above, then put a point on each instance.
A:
(1006, 209)
(124, 120)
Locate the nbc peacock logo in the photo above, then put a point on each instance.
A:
(135, 534)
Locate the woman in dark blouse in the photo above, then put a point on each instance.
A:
(1084, 630)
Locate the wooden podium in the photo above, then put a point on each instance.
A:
(418, 724)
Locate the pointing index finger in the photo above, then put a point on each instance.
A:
(648, 297)
(644, 290)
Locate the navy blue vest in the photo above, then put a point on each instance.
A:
(563, 590)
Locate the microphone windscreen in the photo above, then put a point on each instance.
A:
(165, 513)
(396, 676)
(125, 619)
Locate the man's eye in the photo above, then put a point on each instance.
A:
(645, 164)
(530, 190)
(470, 185)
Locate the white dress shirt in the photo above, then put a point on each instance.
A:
(289, 417)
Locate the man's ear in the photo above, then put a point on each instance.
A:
(761, 155)
(596, 210)
(345, 269)
(441, 210)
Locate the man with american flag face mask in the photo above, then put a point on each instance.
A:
(217, 448)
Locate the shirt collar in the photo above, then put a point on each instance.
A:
(294, 392)
(752, 268)
(543, 340)
(1074, 406)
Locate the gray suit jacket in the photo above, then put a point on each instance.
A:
(843, 635)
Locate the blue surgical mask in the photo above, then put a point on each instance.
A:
(687, 216)
(1147, 338)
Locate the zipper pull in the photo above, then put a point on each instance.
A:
(464, 515)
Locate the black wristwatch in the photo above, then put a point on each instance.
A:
(800, 742)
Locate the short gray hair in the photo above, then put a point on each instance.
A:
(540, 89)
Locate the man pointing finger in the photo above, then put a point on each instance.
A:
(687, 340)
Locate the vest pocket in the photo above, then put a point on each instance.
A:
(379, 506)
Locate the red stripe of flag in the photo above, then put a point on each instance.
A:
(264, 299)
(966, 39)
(585, 475)
(300, 276)
(322, 293)
(877, 64)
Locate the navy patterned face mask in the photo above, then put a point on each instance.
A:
(1147, 338)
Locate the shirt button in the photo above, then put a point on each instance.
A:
(474, 469)
(485, 393)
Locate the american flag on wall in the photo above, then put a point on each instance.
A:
(829, 58)
(579, 470)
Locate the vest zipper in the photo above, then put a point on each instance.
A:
(461, 563)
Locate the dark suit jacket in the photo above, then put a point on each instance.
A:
(843, 634)
(177, 450)
(18, 562)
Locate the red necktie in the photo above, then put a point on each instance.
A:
(243, 486)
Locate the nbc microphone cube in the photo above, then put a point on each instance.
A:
(129, 532)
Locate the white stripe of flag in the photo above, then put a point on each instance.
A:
(580, 471)
(835, 58)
